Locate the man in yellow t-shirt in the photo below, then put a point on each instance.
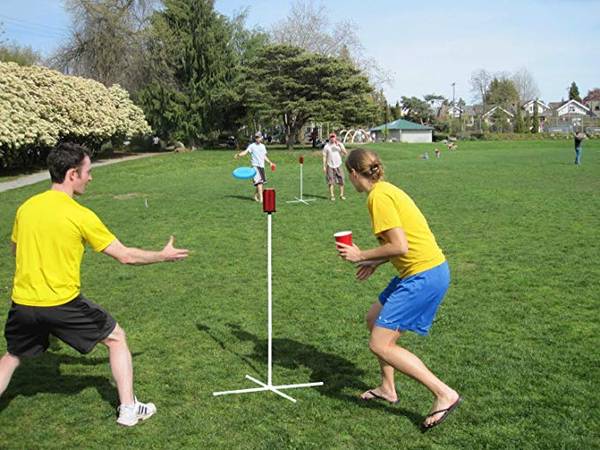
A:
(48, 238)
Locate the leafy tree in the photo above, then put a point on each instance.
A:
(417, 110)
(574, 92)
(502, 92)
(193, 69)
(297, 86)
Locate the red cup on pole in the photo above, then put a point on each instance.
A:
(269, 201)
(343, 237)
(301, 159)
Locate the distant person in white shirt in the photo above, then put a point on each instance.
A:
(258, 156)
(332, 165)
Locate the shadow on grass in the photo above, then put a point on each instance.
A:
(337, 373)
(306, 195)
(241, 197)
(43, 375)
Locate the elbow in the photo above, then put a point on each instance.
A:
(401, 249)
(126, 259)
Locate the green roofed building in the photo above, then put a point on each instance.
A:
(403, 131)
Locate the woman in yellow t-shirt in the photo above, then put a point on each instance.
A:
(410, 301)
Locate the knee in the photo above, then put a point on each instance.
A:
(11, 360)
(117, 337)
(378, 348)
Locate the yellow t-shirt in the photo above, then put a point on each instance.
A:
(390, 207)
(50, 230)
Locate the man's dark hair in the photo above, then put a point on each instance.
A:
(64, 157)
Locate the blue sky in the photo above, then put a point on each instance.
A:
(425, 46)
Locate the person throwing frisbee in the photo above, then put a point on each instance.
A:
(411, 299)
(258, 156)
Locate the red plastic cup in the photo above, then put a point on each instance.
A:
(269, 201)
(343, 237)
(273, 166)
(301, 159)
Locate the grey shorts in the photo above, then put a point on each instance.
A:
(335, 175)
(260, 177)
(79, 323)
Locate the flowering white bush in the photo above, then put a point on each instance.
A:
(40, 106)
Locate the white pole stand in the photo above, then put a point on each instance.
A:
(268, 386)
(301, 199)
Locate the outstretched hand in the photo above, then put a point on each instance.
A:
(170, 253)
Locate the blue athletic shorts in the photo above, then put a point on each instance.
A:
(410, 304)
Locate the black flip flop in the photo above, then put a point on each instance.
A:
(376, 396)
(446, 412)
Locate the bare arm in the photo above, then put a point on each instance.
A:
(395, 245)
(242, 153)
(132, 255)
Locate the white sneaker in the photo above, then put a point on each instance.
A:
(130, 415)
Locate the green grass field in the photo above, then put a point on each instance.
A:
(517, 334)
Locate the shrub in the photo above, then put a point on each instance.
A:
(40, 107)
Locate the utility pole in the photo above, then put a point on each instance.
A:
(453, 93)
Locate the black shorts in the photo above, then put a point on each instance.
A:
(79, 323)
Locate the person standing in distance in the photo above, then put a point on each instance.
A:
(48, 238)
(258, 156)
(411, 299)
(332, 165)
(579, 137)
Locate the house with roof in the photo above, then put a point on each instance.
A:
(499, 118)
(570, 109)
(402, 131)
(542, 108)
(592, 101)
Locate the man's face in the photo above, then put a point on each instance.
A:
(332, 138)
(82, 176)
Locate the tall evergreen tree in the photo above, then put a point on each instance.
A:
(535, 120)
(519, 122)
(574, 92)
(193, 64)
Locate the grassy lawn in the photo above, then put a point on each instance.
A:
(517, 334)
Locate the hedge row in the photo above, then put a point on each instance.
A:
(40, 107)
(489, 136)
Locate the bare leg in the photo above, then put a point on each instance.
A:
(121, 364)
(259, 192)
(383, 345)
(331, 193)
(8, 364)
(341, 190)
(387, 389)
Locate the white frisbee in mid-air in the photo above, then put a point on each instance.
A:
(244, 173)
